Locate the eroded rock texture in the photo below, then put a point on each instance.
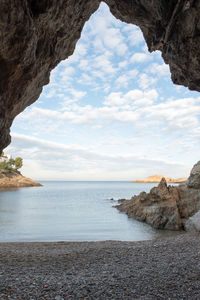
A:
(173, 27)
(157, 208)
(166, 207)
(36, 35)
(194, 179)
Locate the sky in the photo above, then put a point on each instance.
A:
(110, 112)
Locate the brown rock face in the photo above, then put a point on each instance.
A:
(15, 180)
(157, 208)
(166, 207)
(36, 35)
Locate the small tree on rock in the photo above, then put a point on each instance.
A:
(18, 163)
(11, 164)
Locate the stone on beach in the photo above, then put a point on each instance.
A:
(166, 268)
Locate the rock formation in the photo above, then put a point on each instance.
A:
(157, 208)
(158, 178)
(193, 223)
(194, 179)
(15, 180)
(36, 35)
(166, 207)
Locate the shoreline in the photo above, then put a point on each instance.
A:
(163, 268)
(168, 234)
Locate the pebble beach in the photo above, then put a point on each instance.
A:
(165, 268)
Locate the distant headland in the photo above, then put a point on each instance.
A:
(10, 177)
(157, 179)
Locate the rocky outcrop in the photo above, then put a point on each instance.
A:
(15, 180)
(158, 178)
(194, 179)
(37, 35)
(166, 207)
(193, 223)
(157, 208)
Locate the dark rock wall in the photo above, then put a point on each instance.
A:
(35, 35)
(172, 27)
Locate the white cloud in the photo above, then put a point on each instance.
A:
(84, 65)
(67, 74)
(104, 31)
(137, 107)
(123, 80)
(51, 93)
(134, 35)
(176, 114)
(103, 63)
(99, 75)
(158, 69)
(133, 97)
(74, 96)
(122, 64)
(87, 80)
(140, 57)
(113, 39)
(52, 160)
(139, 98)
(115, 99)
(145, 81)
(77, 94)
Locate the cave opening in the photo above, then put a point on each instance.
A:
(109, 115)
(110, 109)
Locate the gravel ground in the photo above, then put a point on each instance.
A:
(167, 268)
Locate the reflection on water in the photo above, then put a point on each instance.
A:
(71, 211)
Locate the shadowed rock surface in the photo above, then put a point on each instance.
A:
(37, 35)
(193, 223)
(166, 207)
(194, 179)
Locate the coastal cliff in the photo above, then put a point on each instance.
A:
(158, 178)
(166, 207)
(14, 179)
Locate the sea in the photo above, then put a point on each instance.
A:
(72, 211)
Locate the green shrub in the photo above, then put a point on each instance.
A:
(12, 164)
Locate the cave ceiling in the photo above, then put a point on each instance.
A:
(36, 35)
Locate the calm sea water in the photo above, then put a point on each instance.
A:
(71, 211)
